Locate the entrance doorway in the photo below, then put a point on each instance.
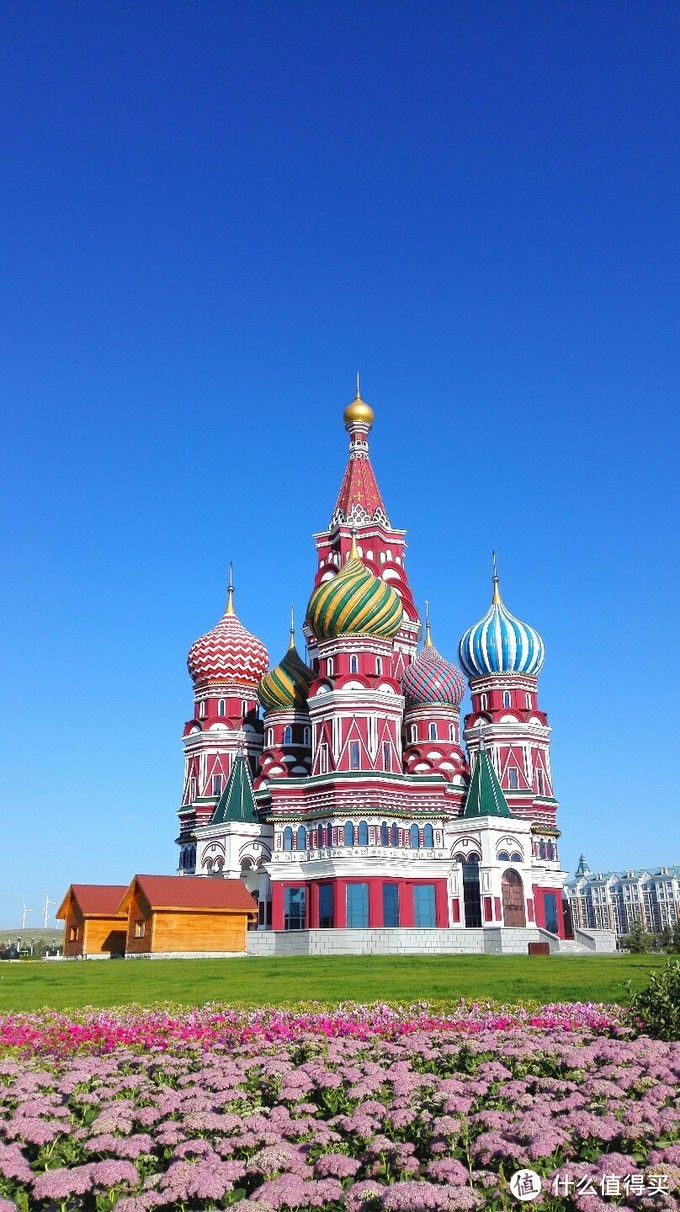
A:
(513, 899)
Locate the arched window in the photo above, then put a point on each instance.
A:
(288, 735)
(428, 836)
(221, 707)
(288, 838)
(528, 702)
(539, 781)
(452, 733)
(513, 777)
(472, 899)
(384, 834)
(506, 698)
(349, 834)
(415, 837)
(515, 857)
(201, 709)
(323, 758)
(503, 856)
(433, 732)
(329, 667)
(414, 733)
(363, 833)
(354, 664)
(270, 737)
(244, 707)
(483, 702)
(301, 838)
(354, 755)
(387, 756)
(378, 666)
(307, 737)
(217, 784)
(541, 850)
(394, 836)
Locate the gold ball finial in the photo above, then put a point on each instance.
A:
(358, 410)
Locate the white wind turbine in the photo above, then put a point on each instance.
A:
(46, 909)
(24, 915)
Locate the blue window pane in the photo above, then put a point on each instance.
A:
(503, 857)
(428, 836)
(354, 751)
(415, 839)
(349, 834)
(550, 903)
(288, 838)
(424, 905)
(301, 838)
(357, 906)
(384, 834)
(394, 836)
(326, 906)
(390, 904)
(294, 908)
(515, 857)
(363, 833)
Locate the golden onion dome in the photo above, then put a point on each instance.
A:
(286, 686)
(354, 603)
(358, 410)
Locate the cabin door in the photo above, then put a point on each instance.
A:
(513, 899)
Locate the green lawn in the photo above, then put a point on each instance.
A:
(255, 982)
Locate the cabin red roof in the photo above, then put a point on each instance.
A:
(193, 892)
(94, 900)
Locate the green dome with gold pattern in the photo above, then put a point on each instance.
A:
(286, 686)
(354, 603)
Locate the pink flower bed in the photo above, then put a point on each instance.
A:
(364, 1108)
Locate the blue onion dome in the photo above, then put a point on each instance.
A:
(500, 643)
(354, 603)
(286, 686)
(431, 680)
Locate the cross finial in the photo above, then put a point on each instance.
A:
(358, 387)
(230, 591)
(496, 591)
(428, 637)
(292, 628)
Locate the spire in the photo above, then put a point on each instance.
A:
(428, 638)
(359, 499)
(292, 628)
(237, 802)
(496, 599)
(354, 550)
(485, 795)
(230, 591)
(583, 868)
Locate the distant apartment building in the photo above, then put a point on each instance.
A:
(615, 900)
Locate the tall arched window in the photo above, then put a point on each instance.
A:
(539, 781)
(307, 737)
(288, 838)
(415, 837)
(329, 667)
(221, 707)
(270, 737)
(433, 732)
(301, 838)
(428, 836)
(363, 833)
(483, 702)
(354, 664)
(528, 702)
(506, 698)
(384, 834)
(513, 776)
(394, 836)
(378, 666)
(354, 755)
(349, 834)
(452, 733)
(288, 735)
(201, 709)
(542, 850)
(244, 707)
(414, 733)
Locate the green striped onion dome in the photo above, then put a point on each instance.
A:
(286, 686)
(354, 603)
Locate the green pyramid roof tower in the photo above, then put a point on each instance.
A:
(583, 868)
(237, 802)
(485, 794)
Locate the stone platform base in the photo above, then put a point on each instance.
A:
(490, 940)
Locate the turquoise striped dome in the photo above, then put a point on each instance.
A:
(500, 643)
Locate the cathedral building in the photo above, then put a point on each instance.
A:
(342, 788)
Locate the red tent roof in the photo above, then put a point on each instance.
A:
(95, 900)
(193, 892)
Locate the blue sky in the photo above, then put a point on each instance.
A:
(211, 216)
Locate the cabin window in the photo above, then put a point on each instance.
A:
(354, 664)
(506, 698)
(139, 929)
(415, 837)
(433, 732)
(363, 833)
(354, 755)
(378, 666)
(288, 838)
(428, 836)
(513, 776)
(73, 934)
(301, 838)
(221, 707)
(349, 834)
(288, 735)
(387, 757)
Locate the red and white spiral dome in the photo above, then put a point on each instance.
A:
(228, 653)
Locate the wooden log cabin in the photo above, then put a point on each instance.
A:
(180, 914)
(94, 923)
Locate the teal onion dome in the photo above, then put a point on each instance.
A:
(500, 643)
